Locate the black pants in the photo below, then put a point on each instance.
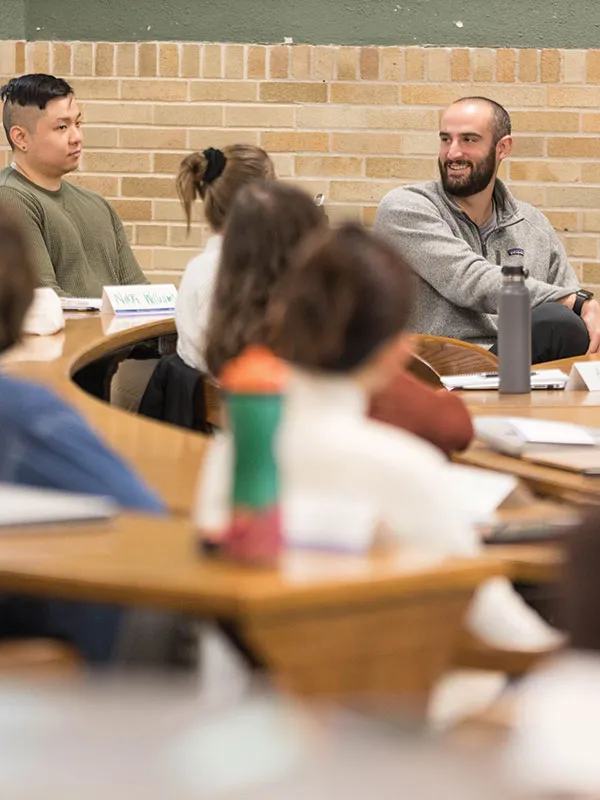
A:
(556, 332)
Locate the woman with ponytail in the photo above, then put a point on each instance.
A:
(213, 176)
(339, 313)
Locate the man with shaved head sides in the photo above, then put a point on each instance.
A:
(457, 233)
(76, 239)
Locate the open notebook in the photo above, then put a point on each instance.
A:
(545, 442)
(23, 505)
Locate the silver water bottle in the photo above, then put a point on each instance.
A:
(514, 332)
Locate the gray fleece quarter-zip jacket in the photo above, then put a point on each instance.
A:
(459, 273)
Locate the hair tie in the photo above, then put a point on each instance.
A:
(216, 161)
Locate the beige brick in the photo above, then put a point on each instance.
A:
(328, 166)
(590, 173)
(133, 210)
(294, 141)
(536, 195)
(529, 146)
(368, 215)
(590, 123)
(553, 171)
(83, 58)
(574, 96)
(438, 64)
(190, 60)
(199, 139)
(359, 191)
(147, 60)
(368, 63)
(95, 88)
(212, 61)
(513, 95)
(550, 66)
(376, 143)
(256, 66)
(20, 56)
(422, 143)
(223, 91)
(528, 66)
(301, 62)
(171, 211)
(168, 61)
(279, 57)
(339, 213)
(351, 117)
(152, 138)
(126, 60)
(119, 113)
(173, 259)
(101, 136)
(260, 116)
(392, 63)
(591, 273)
(563, 220)
(38, 57)
(591, 221)
(234, 61)
(505, 65)
(168, 90)
(144, 257)
(179, 236)
(151, 234)
(164, 276)
(284, 164)
(293, 92)
(571, 196)
(148, 187)
(593, 66)
(129, 229)
(61, 59)
(116, 162)
(105, 59)
(310, 186)
(107, 186)
(363, 93)
(581, 246)
(574, 66)
(167, 163)
(484, 64)
(420, 169)
(189, 115)
(346, 62)
(574, 147)
(7, 58)
(460, 64)
(324, 63)
(545, 121)
(415, 64)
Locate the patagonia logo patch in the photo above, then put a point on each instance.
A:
(516, 251)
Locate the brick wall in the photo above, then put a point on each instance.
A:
(350, 122)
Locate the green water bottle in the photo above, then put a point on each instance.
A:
(254, 386)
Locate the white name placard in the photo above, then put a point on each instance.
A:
(145, 299)
(585, 375)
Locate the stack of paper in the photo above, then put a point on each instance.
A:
(478, 381)
(81, 303)
(23, 505)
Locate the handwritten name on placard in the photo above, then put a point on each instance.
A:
(139, 299)
(584, 375)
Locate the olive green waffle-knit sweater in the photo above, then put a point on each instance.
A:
(76, 239)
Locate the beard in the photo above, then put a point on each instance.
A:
(474, 181)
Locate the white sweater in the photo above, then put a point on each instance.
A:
(193, 306)
(342, 466)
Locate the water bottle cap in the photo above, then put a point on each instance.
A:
(515, 270)
(255, 371)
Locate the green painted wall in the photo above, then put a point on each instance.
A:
(516, 23)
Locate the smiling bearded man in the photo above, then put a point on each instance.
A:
(457, 232)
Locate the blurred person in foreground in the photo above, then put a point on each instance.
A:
(339, 315)
(268, 222)
(45, 443)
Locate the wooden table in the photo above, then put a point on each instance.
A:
(167, 457)
(384, 625)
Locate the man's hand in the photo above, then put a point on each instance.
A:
(590, 314)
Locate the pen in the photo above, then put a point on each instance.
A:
(497, 375)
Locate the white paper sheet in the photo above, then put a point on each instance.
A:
(23, 505)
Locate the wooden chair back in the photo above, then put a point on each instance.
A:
(38, 658)
(420, 369)
(453, 357)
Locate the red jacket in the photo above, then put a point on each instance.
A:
(438, 416)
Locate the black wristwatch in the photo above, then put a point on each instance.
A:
(581, 295)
